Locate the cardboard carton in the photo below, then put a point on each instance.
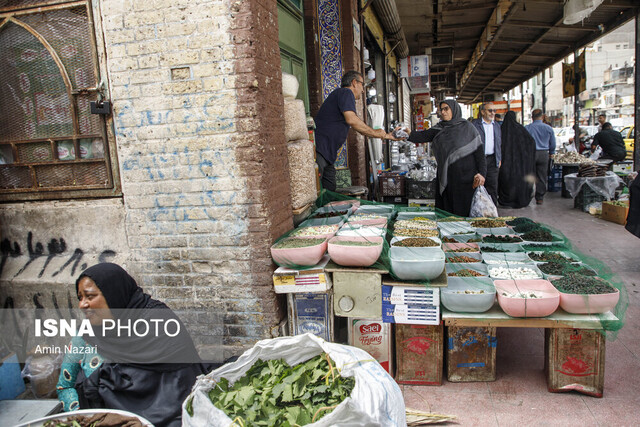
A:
(614, 213)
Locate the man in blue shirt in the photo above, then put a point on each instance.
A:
(545, 147)
(336, 115)
(491, 135)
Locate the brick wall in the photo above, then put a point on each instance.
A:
(200, 135)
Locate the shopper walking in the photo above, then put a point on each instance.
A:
(333, 121)
(518, 170)
(491, 136)
(545, 148)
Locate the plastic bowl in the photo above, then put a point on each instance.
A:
(547, 301)
(589, 303)
(355, 204)
(455, 247)
(454, 299)
(418, 269)
(306, 256)
(355, 256)
(356, 230)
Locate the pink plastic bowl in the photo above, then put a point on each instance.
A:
(306, 256)
(527, 307)
(354, 256)
(589, 303)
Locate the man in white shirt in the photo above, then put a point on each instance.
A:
(491, 135)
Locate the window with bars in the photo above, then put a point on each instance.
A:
(51, 146)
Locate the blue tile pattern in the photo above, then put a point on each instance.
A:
(331, 57)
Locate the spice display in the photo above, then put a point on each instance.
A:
(469, 249)
(553, 267)
(491, 249)
(417, 225)
(422, 218)
(354, 243)
(526, 295)
(462, 258)
(501, 239)
(519, 220)
(469, 292)
(451, 219)
(409, 232)
(553, 247)
(292, 243)
(316, 230)
(488, 223)
(272, 393)
(416, 242)
(363, 216)
(540, 235)
(329, 214)
(474, 240)
(449, 240)
(526, 227)
(515, 273)
(548, 256)
(465, 272)
(578, 269)
(579, 284)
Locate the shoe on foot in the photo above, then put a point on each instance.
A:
(538, 202)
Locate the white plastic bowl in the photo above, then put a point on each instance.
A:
(418, 269)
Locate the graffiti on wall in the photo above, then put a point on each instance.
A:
(55, 248)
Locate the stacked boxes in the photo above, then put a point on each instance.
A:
(417, 305)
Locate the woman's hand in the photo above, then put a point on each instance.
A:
(478, 180)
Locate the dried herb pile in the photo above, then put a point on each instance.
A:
(415, 232)
(465, 273)
(354, 243)
(553, 247)
(526, 227)
(469, 249)
(329, 214)
(553, 268)
(519, 220)
(462, 258)
(451, 219)
(292, 243)
(488, 223)
(579, 284)
(548, 256)
(540, 235)
(416, 242)
(272, 393)
(501, 239)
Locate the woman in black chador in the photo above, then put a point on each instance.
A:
(518, 169)
(460, 156)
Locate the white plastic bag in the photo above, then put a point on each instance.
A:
(596, 154)
(482, 205)
(376, 399)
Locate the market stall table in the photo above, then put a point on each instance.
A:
(574, 344)
(603, 185)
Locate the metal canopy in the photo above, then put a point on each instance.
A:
(499, 44)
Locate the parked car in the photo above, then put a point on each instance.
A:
(563, 135)
(628, 134)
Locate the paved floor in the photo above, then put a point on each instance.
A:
(519, 395)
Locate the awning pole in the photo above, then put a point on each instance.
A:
(576, 104)
(521, 103)
(636, 101)
(544, 95)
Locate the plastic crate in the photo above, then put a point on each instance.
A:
(554, 182)
(391, 185)
(420, 189)
(585, 197)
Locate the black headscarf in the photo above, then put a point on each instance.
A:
(457, 138)
(128, 302)
(517, 173)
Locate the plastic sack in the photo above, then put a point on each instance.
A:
(290, 86)
(482, 205)
(43, 372)
(376, 399)
(596, 154)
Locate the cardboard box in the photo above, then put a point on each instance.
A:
(311, 313)
(471, 353)
(614, 213)
(419, 354)
(374, 337)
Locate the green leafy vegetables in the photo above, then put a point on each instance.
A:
(272, 393)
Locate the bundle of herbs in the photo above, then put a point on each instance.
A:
(272, 393)
(501, 239)
(539, 235)
(578, 284)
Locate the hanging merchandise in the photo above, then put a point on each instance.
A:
(371, 74)
(376, 119)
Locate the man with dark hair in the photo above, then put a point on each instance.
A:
(611, 142)
(491, 136)
(602, 119)
(336, 115)
(545, 147)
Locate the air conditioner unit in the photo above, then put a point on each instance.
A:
(441, 56)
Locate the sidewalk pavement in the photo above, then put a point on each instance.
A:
(519, 396)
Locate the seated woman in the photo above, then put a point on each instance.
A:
(460, 156)
(149, 373)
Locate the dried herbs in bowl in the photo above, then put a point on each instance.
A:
(579, 284)
(501, 239)
(540, 235)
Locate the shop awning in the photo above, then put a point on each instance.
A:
(482, 47)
